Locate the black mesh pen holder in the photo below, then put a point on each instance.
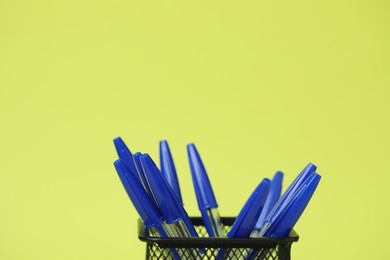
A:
(204, 247)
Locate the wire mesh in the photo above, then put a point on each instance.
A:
(204, 248)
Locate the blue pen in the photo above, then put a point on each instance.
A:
(172, 210)
(281, 224)
(178, 224)
(286, 197)
(168, 169)
(305, 173)
(125, 155)
(248, 215)
(204, 194)
(285, 221)
(148, 211)
(275, 217)
(272, 198)
(141, 173)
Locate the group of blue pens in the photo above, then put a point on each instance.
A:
(156, 195)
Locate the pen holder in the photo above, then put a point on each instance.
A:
(238, 248)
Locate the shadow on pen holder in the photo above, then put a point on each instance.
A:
(239, 248)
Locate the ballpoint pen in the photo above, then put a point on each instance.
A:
(281, 221)
(172, 210)
(175, 216)
(279, 211)
(286, 197)
(248, 216)
(287, 219)
(272, 198)
(280, 204)
(148, 211)
(168, 169)
(305, 173)
(204, 194)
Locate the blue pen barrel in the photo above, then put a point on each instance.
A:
(216, 222)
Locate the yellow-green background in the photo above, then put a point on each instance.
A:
(259, 86)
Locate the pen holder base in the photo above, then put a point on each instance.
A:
(216, 248)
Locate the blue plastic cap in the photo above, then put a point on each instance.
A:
(305, 173)
(249, 214)
(141, 173)
(282, 226)
(272, 198)
(168, 169)
(125, 154)
(162, 192)
(203, 190)
(148, 211)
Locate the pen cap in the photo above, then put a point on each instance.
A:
(125, 154)
(168, 169)
(162, 192)
(203, 190)
(141, 173)
(249, 214)
(272, 198)
(149, 213)
(288, 218)
(305, 173)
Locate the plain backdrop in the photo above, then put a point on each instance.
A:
(259, 86)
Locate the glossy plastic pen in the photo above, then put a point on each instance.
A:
(281, 224)
(272, 198)
(148, 211)
(248, 216)
(204, 194)
(168, 169)
(176, 218)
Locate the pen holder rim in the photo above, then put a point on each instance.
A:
(215, 242)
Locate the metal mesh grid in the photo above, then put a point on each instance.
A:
(274, 252)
